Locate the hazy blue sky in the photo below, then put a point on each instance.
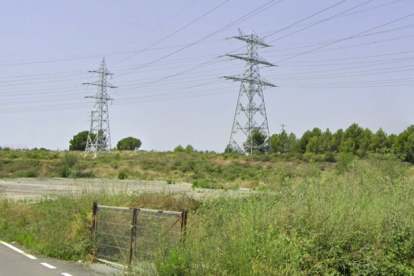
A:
(170, 91)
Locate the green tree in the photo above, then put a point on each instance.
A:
(178, 148)
(301, 145)
(78, 141)
(292, 140)
(354, 133)
(347, 146)
(303, 142)
(255, 143)
(189, 148)
(404, 144)
(129, 143)
(278, 142)
(313, 145)
(365, 142)
(326, 141)
(379, 141)
(336, 140)
(282, 142)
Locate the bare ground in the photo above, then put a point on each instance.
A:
(33, 189)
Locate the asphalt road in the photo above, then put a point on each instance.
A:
(15, 262)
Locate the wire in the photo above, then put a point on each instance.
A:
(245, 17)
(347, 38)
(324, 20)
(162, 24)
(173, 33)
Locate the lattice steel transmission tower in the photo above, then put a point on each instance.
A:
(99, 137)
(250, 131)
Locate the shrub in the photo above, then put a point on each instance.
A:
(122, 175)
(31, 173)
(329, 156)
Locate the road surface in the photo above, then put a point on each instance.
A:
(15, 261)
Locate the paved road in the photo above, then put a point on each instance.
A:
(15, 262)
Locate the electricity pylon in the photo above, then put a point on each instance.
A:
(250, 131)
(99, 137)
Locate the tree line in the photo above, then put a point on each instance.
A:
(78, 142)
(355, 139)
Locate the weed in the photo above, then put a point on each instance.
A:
(31, 173)
(122, 175)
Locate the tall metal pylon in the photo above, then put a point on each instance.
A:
(99, 137)
(250, 117)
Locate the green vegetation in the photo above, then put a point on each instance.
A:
(129, 143)
(60, 227)
(355, 140)
(78, 141)
(327, 203)
(354, 219)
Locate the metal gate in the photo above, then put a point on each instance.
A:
(125, 235)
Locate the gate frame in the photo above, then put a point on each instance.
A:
(133, 240)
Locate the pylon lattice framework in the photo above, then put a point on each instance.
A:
(99, 137)
(250, 116)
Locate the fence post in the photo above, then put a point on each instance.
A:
(94, 213)
(183, 224)
(133, 227)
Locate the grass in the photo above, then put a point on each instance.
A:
(354, 218)
(60, 227)
(205, 169)
(360, 223)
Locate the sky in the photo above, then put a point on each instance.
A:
(338, 63)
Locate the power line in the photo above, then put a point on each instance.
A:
(347, 38)
(245, 17)
(173, 33)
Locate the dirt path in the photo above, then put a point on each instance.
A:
(34, 188)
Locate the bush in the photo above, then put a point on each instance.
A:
(329, 157)
(69, 166)
(31, 173)
(122, 175)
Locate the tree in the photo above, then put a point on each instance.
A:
(326, 141)
(178, 148)
(347, 146)
(336, 140)
(313, 145)
(404, 144)
(356, 134)
(255, 143)
(379, 141)
(129, 143)
(306, 137)
(78, 141)
(365, 142)
(282, 142)
(189, 148)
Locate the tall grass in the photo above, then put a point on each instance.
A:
(61, 226)
(360, 223)
(356, 218)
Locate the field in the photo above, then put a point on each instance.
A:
(205, 170)
(303, 217)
